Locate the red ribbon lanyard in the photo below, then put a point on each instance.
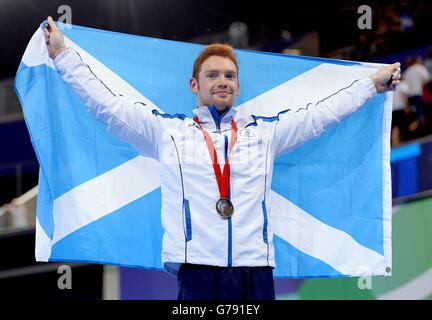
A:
(222, 179)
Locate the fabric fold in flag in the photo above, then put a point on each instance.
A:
(99, 200)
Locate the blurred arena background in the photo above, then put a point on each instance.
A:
(398, 32)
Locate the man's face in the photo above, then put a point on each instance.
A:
(217, 83)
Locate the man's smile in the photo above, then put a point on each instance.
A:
(222, 93)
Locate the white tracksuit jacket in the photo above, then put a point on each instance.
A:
(193, 230)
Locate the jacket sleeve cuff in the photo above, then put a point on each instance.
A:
(61, 60)
(369, 85)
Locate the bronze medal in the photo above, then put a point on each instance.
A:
(225, 208)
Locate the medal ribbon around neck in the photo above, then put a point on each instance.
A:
(222, 178)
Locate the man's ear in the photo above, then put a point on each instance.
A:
(193, 85)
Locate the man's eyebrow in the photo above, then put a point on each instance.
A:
(226, 71)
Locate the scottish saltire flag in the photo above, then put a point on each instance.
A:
(99, 201)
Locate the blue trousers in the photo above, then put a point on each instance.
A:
(201, 282)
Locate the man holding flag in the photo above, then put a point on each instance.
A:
(216, 167)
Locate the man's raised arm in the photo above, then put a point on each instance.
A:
(297, 126)
(126, 119)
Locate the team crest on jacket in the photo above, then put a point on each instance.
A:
(247, 134)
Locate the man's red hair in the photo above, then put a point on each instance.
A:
(216, 49)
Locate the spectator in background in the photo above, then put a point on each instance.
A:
(363, 49)
(427, 93)
(427, 99)
(381, 38)
(428, 61)
(239, 34)
(416, 75)
(407, 22)
(404, 122)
